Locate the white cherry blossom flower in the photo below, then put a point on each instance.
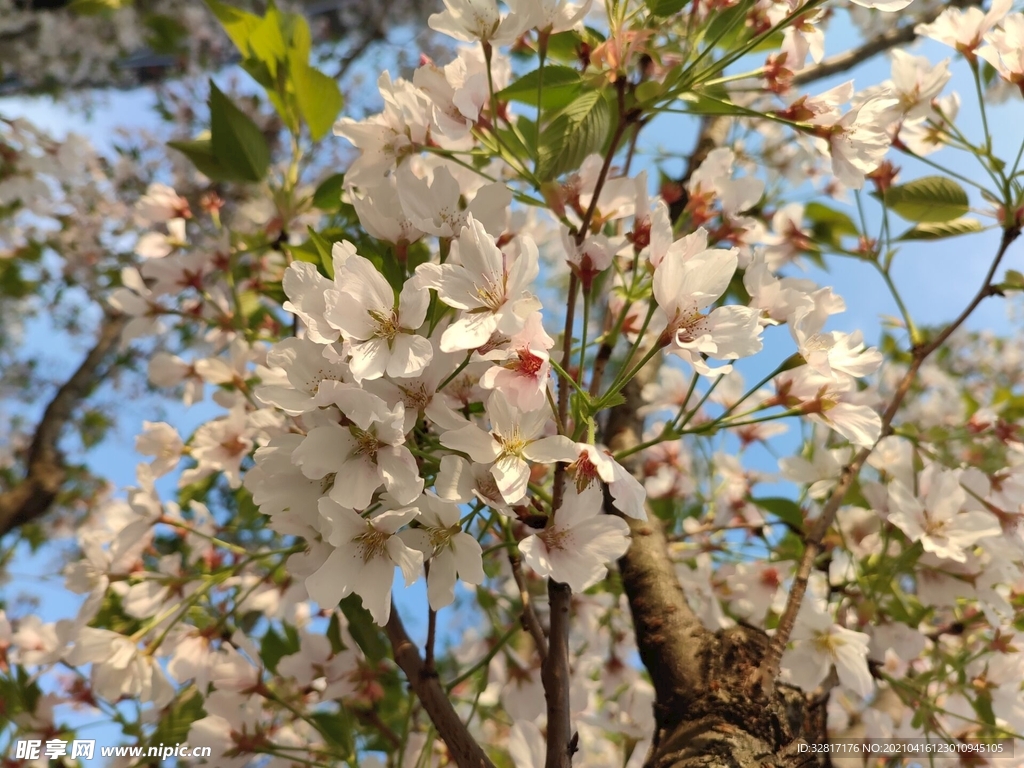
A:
(834, 350)
(578, 543)
(312, 372)
(220, 446)
(380, 332)
(119, 667)
(514, 437)
(367, 453)
(435, 208)
(819, 644)
(450, 553)
(160, 203)
(683, 288)
(550, 16)
(162, 441)
(471, 21)
(964, 28)
(463, 481)
(827, 400)
(488, 286)
(384, 140)
(366, 552)
(1005, 50)
(934, 516)
(306, 290)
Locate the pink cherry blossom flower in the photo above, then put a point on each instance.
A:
(595, 464)
(522, 375)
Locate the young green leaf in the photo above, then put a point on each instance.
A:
(239, 25)
(930, 200)
(665, 8)
(318, 96)
(940, 230)
(200, 152)
(579, 130)
(560, 85)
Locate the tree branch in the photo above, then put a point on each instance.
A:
(45, 471)
(667, 630)
(879, 44)
(769, 669)
(529, 616)
(463, 747)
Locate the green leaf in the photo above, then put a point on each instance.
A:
(365, 633)
(177, 719)
(236, 141)
(318, 96)
(932, 199)
(787, 510)
(238, 25)
(711, 101)
(579, 130)
(302, 40)
(275, 647)
(829, 225)
(665, 8)
(200, 152)
(328, 195)
(560, 86)
(266, 42)
(324, 248)
(337, 727)
(937, 231)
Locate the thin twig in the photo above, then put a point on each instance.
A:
(529, 616)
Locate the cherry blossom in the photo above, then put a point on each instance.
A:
(366, 552)
(936, 520)
(487, 285)
(683, 288)
(448, 551)
(577, 543)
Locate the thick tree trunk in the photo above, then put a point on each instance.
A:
(708, 713)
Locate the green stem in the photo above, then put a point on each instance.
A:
(486, 659)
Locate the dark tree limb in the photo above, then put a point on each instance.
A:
(45, 470)
(461, 745)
